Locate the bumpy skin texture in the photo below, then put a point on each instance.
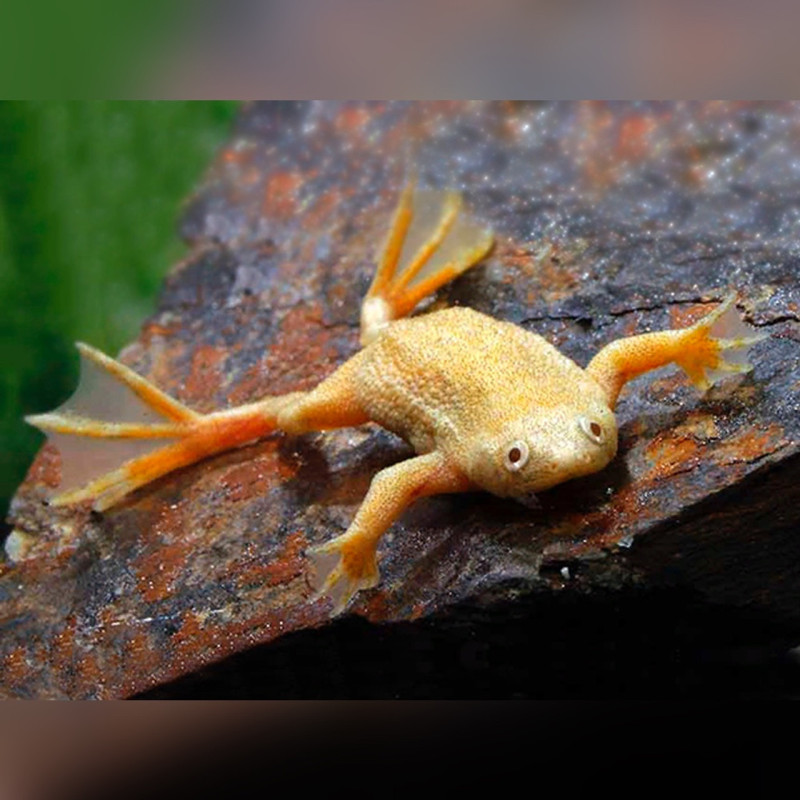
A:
(469, 386)
(484, 403)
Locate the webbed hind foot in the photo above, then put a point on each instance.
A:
(430, 243)
(119, 432)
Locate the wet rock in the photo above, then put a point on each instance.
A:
(611, 219)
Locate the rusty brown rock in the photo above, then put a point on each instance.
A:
(611, 219)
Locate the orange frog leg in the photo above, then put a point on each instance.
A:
(103, 460)
(348, 563)
(430, 242)
(715, 345)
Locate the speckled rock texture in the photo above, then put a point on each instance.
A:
(611, 219)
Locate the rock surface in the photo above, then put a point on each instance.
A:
(611, 219)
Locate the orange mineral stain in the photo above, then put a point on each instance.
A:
(280, 195)
(205, 375)
(156, 571)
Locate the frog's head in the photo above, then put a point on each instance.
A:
(549, 447)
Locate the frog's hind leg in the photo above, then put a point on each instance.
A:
(348, 563)
(119, 432)
(430, 243)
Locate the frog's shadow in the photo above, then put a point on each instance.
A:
(345, 480)
(344, 477)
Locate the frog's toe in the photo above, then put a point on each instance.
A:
(734, 338)
(431, 242)
(719, 345)
(340, 570)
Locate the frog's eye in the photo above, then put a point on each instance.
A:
(592, 430)
(516, 456)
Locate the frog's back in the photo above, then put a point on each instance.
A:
(452, 372)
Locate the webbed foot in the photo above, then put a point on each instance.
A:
(348, 563)
(430, 243)
(343, 566)
(119, 432)
(717, 345)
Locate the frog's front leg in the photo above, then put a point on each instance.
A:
(715, 345)
(392, 490)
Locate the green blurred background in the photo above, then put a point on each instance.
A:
(90, 194)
